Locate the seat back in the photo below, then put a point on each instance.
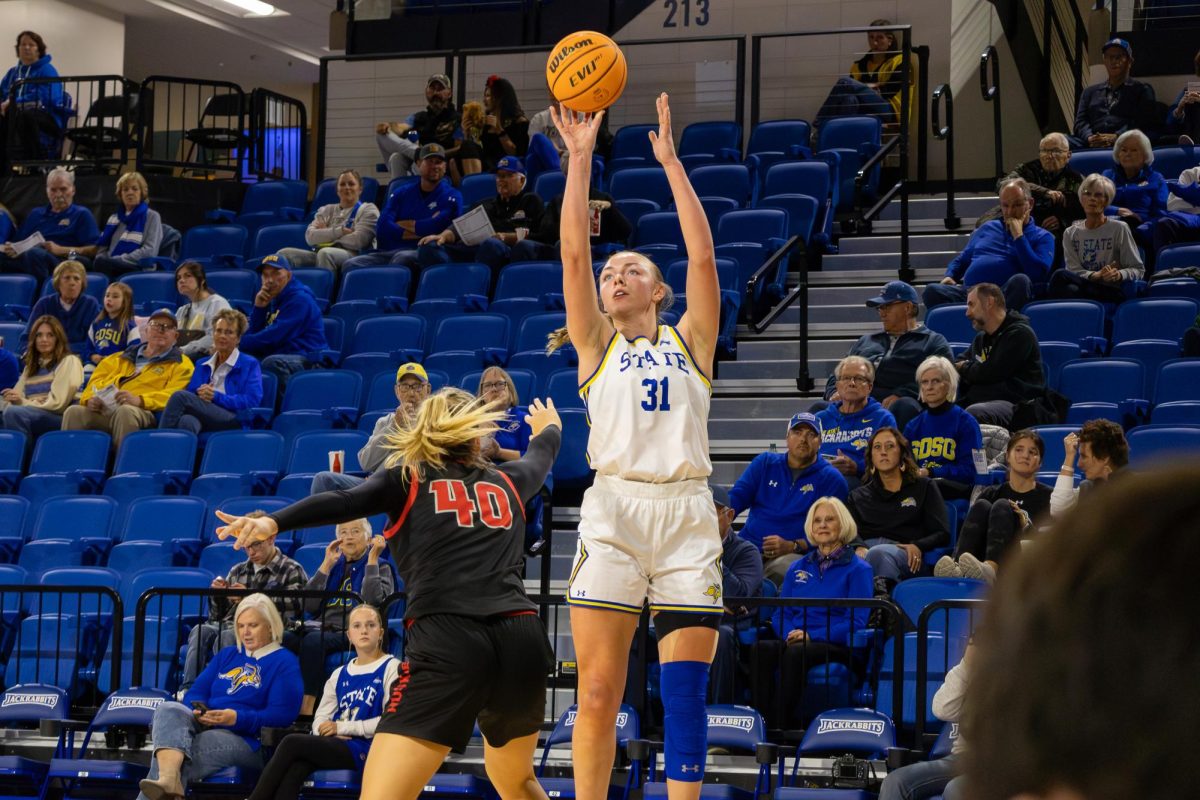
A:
(945, 741)
(316, 390)
(65, 451)
(17, 290)
(310, 450)
(1153, 446)
(801, 213)
(153, 289)
(265, 198)
(73, 517)
(951, 321)
(135, 585)
(659, 227)
(1102, 380)
(710, 138)
(241, 452)
(778, 136)
(642, 183)
(549, 185)
(850, 132)
(128, 707)
(798, 177)
(371, 283)
(1065, 321)
(571, 467)
(1153, 318)
(165, 518)
(156, 451)
(735, 727)
(529, 279)
(448, 281)
(861, 731)
(476, 188)
(32, 702)
(632, 141)
(469, 331)
(535, 328)
(206, 241)
(722, 180)
(1085, 162)
(272, 238)
(1177, 255)
(234, 284)
(387, 333)
(752, 225)
(1177, 380)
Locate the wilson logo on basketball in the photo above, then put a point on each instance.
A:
(565, 51)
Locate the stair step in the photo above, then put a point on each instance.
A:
(870, 277)
(852, 245)
(782, 369)
(936, 259)
(726, 473)
(789, 348)
(922, 225)
(935, 207)
(751, 408)
(768, 428)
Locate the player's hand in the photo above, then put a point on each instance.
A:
(245, 530)
(542, 415)
(578, 131)
(663, 144)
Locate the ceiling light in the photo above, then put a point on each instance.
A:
(255, 7)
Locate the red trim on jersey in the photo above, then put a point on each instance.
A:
(508, 480)
(408, 504)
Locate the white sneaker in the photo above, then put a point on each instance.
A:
(1186, 141)
(972, 567)
(947, 567)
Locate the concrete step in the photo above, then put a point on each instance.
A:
(767, 428)
(789, 349)
(937, 259)
(934, 208)
(923, 226)
(753, 408)
(782, 369)
(875, 277)
(726, 473)
(854, 245)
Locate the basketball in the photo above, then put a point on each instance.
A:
(586, 71)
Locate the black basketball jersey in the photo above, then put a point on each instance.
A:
(456, 534)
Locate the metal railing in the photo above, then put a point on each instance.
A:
(279, 136)
(946, 133)
(759, 319)
(991, 94)
(955, 630)
(193, 127)
(85, 120)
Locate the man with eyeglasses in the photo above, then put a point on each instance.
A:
(128, 387)
(849, 422)
(412, 387)
(1121, 103)
(1053, 184)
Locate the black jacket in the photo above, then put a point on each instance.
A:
(1005, 365)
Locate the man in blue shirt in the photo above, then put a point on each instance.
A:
(286, 322)
(1106, 110)
(64, 226)
(412, 212)
(1011, 252)
(849, 422)
(778, 489)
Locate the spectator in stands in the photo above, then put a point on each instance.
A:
(114, 328)
(345, 722)
(351, 564)
(197, 316)
(876, 83)
(1054, 185)
(1000, 514)
(779, 489)
(741, 576)
(1013, 252)
(543, 123)
(412, 387)
(849, 421)
(1141, 190)
(899, 513)
(38, 116)
(412, 212)
(895, 352)
(1181, 222)
(340, 230)
(437, 124)
(946, 441)
(1100, 252)
(939, 776)
(811, 636)
(286, 323)
(1183, 118)
(266, 568)
(1083, 682)
(128, 387)
(70, 303)
(46, 386)
(609, 227)
(513, 212)
(64, 226)
(469, 159)
(246, 688)
(1102, 450)
(505, 126)
(134, 232)
(1121, 103)
(222, 385)
(1003, 365)
(512, 437)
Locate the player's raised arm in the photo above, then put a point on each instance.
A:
(702, 320)
(586, 325)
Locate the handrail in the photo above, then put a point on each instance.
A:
(1052, 24)
(286, 160)
(923, 653)
(946, 133)
(922, 51)
(991, 94)
(800, 292)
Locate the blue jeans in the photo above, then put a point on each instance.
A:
(1018, 290)
(205, 750)
(204, 641)
(332, 481)
(187, 412)
(283, 366)
(492, 252)
(888, 559)
(36, 262)
(921, 780)
(382, 258)
(851, 98)
(31, 421)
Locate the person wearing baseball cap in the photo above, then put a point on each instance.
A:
(512, 211)
(1121, 103)
(285, 324)
(895, 351)
(778, 489)
(439, 122)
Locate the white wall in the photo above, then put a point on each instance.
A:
(79, 41)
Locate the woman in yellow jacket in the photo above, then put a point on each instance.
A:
(47, 385)
(128, 387)
(876, 81)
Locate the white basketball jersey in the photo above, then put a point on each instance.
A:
(648, 404)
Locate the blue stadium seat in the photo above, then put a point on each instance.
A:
(738, 729)
(951, 322)
(37, 557)
(75, 775)
(563, 388)
(630, 148)
(549, 185)
(524, 380)
(1085, 162)
(802, 213)
(310, 450)
(14, 511)
(710, 143)
(389, 284)
(153, 290)
(12, 334)
(1103, 388)
(627, 729)
(179, 521)
(915, 594)
(642, 183)
(855, 140)
(749, 237)
(50, 648)
(310, 557)
(477, 188)
(571, 468)
(66, 462)
(1176, 287)
(220, 557)
(236, 286)
(525, 288)
(93, 609)
(1173, 257)
(263, 203)
(715, 208)
(633, 209)
(777, 140)
(12, 459)
(723, 180)
(320, 282)
(17, 295)
(1080, 322)
(1153, 446)
(449, 289)
(1177, 381)
(25, 706)
(193, 607)
(160, 654)
(152, 462)
(239, 463)
(368, 365)
(1054, 355)
(456, 348)
(1172, 161)
(331, 393)
(658, 235)
(1153, 318)
(859, 732)
(1151, 353)
(350, 313)
(402, 335)
(129, 557)
(75, 518)
(214, 246)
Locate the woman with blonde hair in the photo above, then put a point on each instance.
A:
(69, 303)
(944, 437)
(476, 648)
(47, 385)
(648, 527)
(134, 232)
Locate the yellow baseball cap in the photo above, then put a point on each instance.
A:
(412, 368)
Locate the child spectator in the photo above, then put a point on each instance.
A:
(114, 328)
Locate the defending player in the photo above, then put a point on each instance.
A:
(648, 527)
(475, 648)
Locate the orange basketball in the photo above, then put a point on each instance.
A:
(586, 71)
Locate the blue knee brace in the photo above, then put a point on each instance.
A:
(685, 723)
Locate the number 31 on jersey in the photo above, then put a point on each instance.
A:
(658, 396)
